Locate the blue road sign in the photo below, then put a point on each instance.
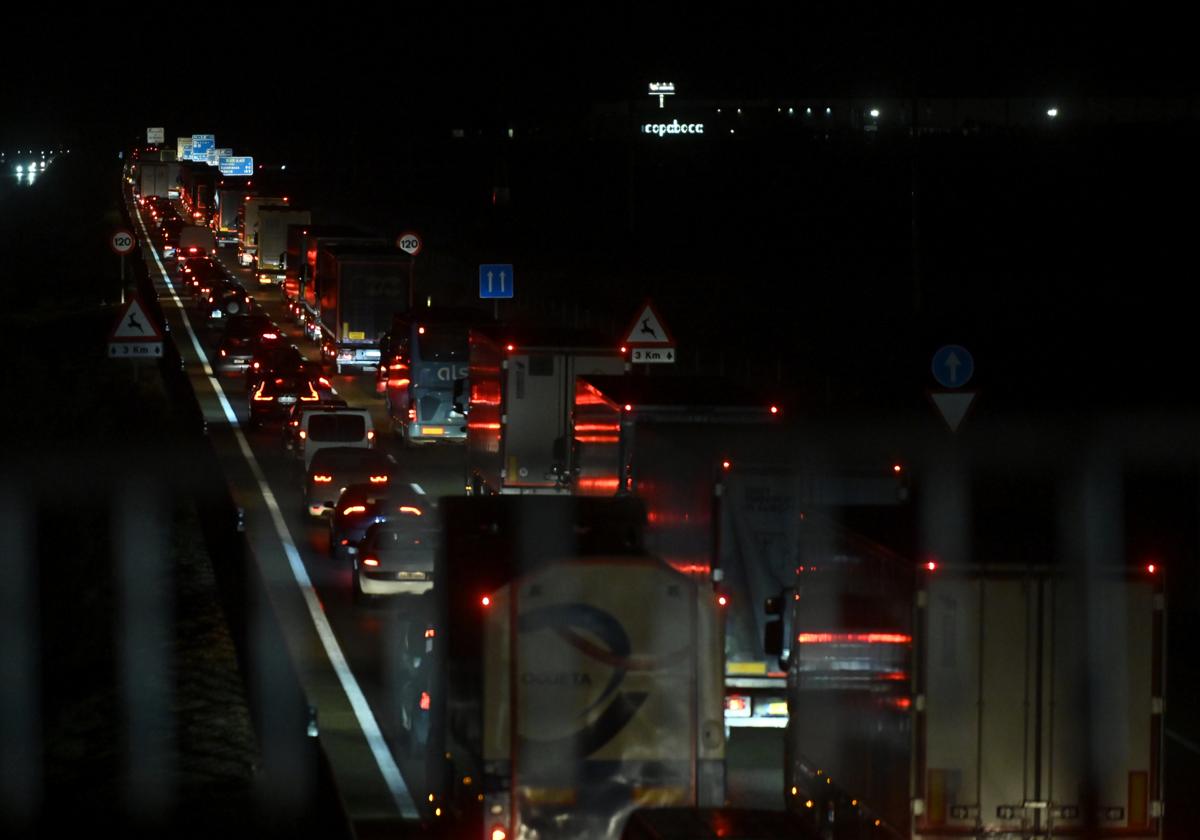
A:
(201, 143)
(495, 280)
(236, 165)
(953, 366)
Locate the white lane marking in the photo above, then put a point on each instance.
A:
(1183, 742)
(358, 701)
(417, 488)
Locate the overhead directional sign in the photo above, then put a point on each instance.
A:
(183, 147)
(953, 366)
(154, 136)
(953, 406)
(213, 156)
(135, 335)
(236, 165)
(201, 143)
(495, 281)
(648, 330)
(122, 242)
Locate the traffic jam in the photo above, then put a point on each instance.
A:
(607, 589)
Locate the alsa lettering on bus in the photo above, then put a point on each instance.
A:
(673, 127)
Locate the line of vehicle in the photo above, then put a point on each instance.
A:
(354, 694)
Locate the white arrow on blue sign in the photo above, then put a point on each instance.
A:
(495, 280)
(953, 366)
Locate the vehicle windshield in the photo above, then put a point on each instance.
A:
(441, 343)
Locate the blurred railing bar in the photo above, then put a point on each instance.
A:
(145, 644)
(20, 718)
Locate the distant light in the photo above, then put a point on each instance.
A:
(20, 169)
(510, 133)
(722, 600)
(931, 566)
(486, 601)
(731, 131)
(875, 113)
(718, 110)
(895, 468)
(828, 110)
(624, 349)
(284, 166)
(725, 465)
(791, 110)
(808, 110)
(739, 110)
(774, 409)
(1051, 112)
(628, 407)
(1150, 567)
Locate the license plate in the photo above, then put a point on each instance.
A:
(432, 430)
(286, 400)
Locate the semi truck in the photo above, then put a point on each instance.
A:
(271, 244)
(248, 233)
(359, 288)
(423, 373)
(228, 198)
(1017, 701)
(568, 677)
(522, 413)
(303, 244)
(197, 185)
(726, 484)
(158, 178)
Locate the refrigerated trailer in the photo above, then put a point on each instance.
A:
(271, 240)
(1018, 701)
(1038, 703)
(569, 677)
(524, 402)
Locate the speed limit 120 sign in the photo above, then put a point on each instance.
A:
(123, 242)
(409, 243)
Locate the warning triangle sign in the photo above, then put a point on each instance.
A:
(953, 406)
(135, 325)
(648, 330)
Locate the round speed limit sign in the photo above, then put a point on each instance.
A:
(122, 242)
(409, 243)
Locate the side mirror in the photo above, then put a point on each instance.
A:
(773, 637)
(460, 386)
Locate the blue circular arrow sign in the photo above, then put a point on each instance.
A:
(953, 366)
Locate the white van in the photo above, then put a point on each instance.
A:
(334, 426)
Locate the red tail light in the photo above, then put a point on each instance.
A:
(499, 833)
(379, 479)
(486, 601)
(354, 509)
(723, 600)
(414, 511)
(320, 478)
(270, 335)
(424, 702)
(412, 414)
(370, 561)
(430, 633)
(259, 396)
(371, 435)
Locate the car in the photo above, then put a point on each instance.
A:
(274, 358)
(243, 336)
(291, 428)
(227, 299)
(396, 556)
(333, 426)
(170, 231)
(335, 468)
(275, 396)
(359, 507)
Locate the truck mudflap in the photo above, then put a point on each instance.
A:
(597, 705)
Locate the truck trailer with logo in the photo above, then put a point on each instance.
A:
(572, 678)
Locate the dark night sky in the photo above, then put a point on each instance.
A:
(443, 59)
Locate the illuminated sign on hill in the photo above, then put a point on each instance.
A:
(673, 127)
(661, 89)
